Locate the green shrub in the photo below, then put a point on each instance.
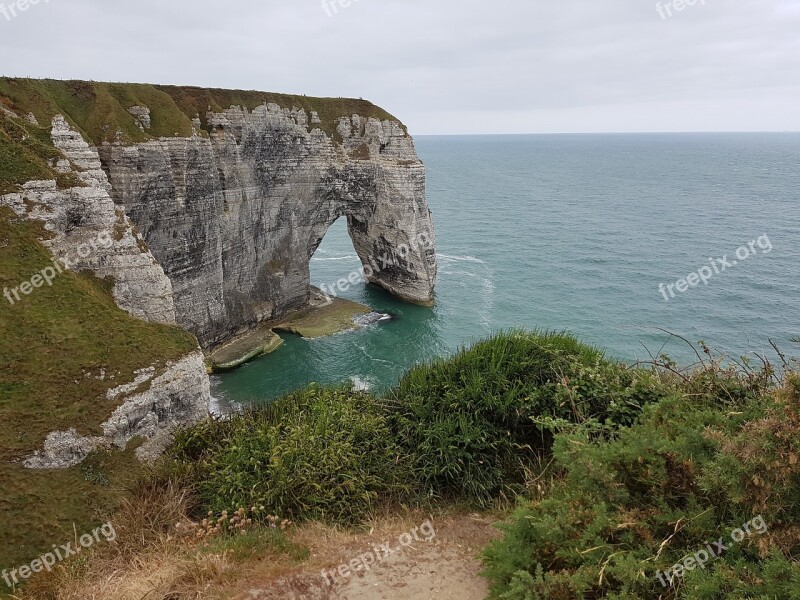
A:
(474, 424)
(690, 471)
(467, 428)
(317, 454)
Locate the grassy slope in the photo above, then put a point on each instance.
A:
(617, 472)
(26, 153)
(48, 342)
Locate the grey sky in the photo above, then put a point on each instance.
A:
(446, 66)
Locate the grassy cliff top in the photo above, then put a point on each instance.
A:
(99, 110)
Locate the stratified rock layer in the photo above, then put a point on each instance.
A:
(91, 232)
(235, 216)
(213, 230)
(178, 396)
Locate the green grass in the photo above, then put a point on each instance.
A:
(618, 472)
(257, 542)
(53, 344)
(476, 422)
(39, 508)
(98, 110)
(26, 154)
(318, 454)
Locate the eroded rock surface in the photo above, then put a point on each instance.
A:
(90, 232)
(179, 395)
(235, 216)
(215, 232)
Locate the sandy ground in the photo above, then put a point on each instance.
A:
(446, 568)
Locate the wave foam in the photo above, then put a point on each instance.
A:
(471, 259)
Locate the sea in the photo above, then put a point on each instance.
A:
(641, 244)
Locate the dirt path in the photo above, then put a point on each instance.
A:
(402, 568)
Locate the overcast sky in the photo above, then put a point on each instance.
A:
(445, 66)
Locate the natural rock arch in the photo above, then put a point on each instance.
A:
(235, 217)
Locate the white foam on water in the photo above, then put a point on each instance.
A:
(360, 384)
(348, 257)
(471, 259)
(371, 318)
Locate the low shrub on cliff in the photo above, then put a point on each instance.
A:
(317, 454)
(474, 424)
(468, 429)
(691, 472)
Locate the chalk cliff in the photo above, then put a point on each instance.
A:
(88, 232)
(235, 216)
(178, 395)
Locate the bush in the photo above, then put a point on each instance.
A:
(474, 424)
(690, 471)
(468, 428)
(318, 454)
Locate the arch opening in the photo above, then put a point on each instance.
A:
(335, 267)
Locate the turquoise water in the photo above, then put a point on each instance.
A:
(576, 232)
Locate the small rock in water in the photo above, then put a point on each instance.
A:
(370, 318)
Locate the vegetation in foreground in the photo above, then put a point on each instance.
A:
(617, 472)
(463, 429)
(622, 508)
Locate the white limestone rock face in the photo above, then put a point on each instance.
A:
(229, 221)
(64, 449)
(179, 395)
(234, 216)
(142, 116)
(91, 232)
